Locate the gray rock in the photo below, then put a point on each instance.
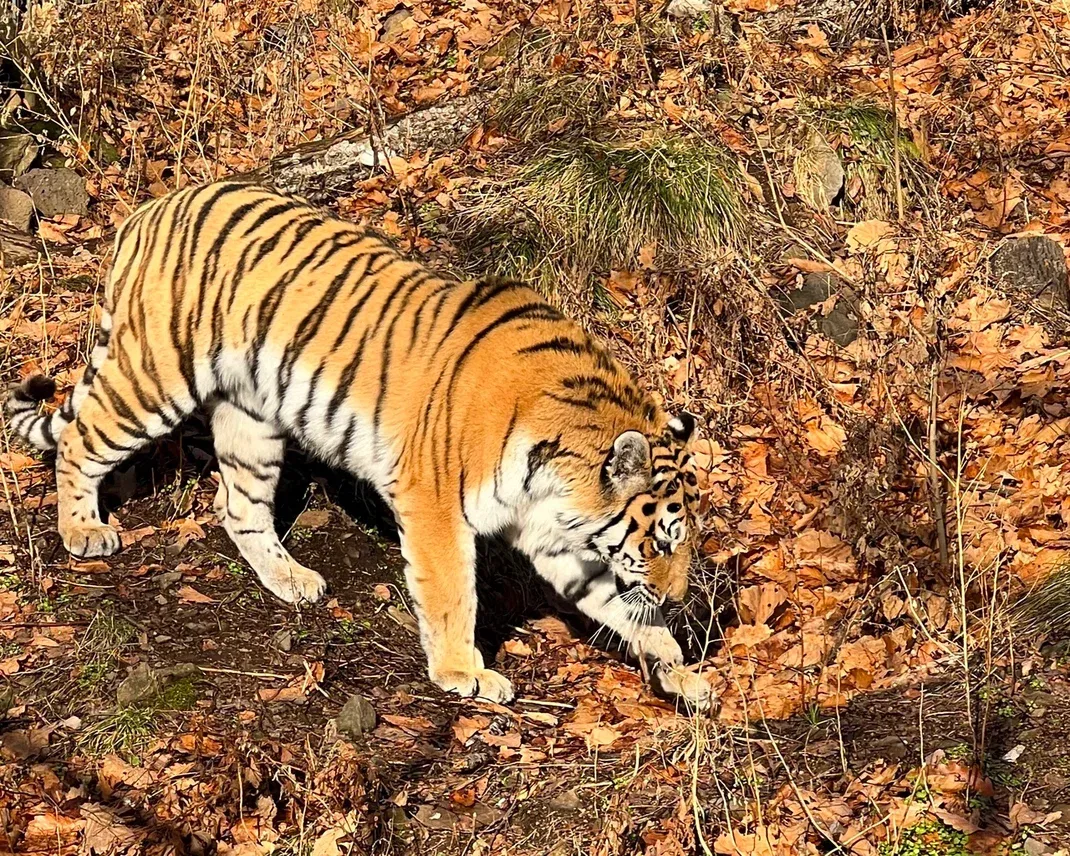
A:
(140, 685)
(144, 683)
(1033, 847)
(841, 324)
(283, 640)
(356, 718)
(435, 818)
(16, 208)
(17, 153)
(55, 191)
(1033, 267)
(567, 802)
(818, 172)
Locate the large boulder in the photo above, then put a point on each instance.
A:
(55, 191)
(841, 323)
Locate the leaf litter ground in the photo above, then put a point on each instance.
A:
(851, 719)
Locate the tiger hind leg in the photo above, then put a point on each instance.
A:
(111, 424)
(250, 454)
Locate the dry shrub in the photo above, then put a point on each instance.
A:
(584, 207)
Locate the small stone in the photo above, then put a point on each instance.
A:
(435, 818)
(16, 208)
(1033, 268)
(142, 683)
(55, 191)
(180, 671)
(314, 518)
(567, 802)
(283, 640)
(395, 24)
(356, 718)
(841, 324)
(166, 580)
(1033, 847)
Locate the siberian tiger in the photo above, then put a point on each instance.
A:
(473, 407)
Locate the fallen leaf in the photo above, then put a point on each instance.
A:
(190, 595)
(866, 234)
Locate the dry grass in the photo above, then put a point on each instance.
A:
(585, 206)
(866, 138)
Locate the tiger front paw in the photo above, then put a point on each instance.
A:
(657, 643)
(684, 686)
(294, 583)
(481, 683)
(90, 542)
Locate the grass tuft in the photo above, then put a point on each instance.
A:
(536, 110)
(867, 140)
(1046, 607)
(107, 633)
(580, 207)
(124, 731)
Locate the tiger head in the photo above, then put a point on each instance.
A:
(649, 493)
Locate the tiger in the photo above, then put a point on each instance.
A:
(474, 407)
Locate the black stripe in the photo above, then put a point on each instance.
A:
(418, 315)
(483, 292)
(633, 525)
(559, 345)
(527, 310)
(367, 278)
(501, 453)
(253, 499)
(535, 310)
(582, 403)
(309, 326)
(384, 357)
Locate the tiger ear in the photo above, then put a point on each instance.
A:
(627, 468)
(683, 426)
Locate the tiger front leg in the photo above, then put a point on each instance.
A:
(593, 589)
(440, 555)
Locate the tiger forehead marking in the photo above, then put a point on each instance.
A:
(663, 515)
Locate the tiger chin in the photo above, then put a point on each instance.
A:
(474, 408)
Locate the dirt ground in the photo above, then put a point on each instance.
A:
(243, 749)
